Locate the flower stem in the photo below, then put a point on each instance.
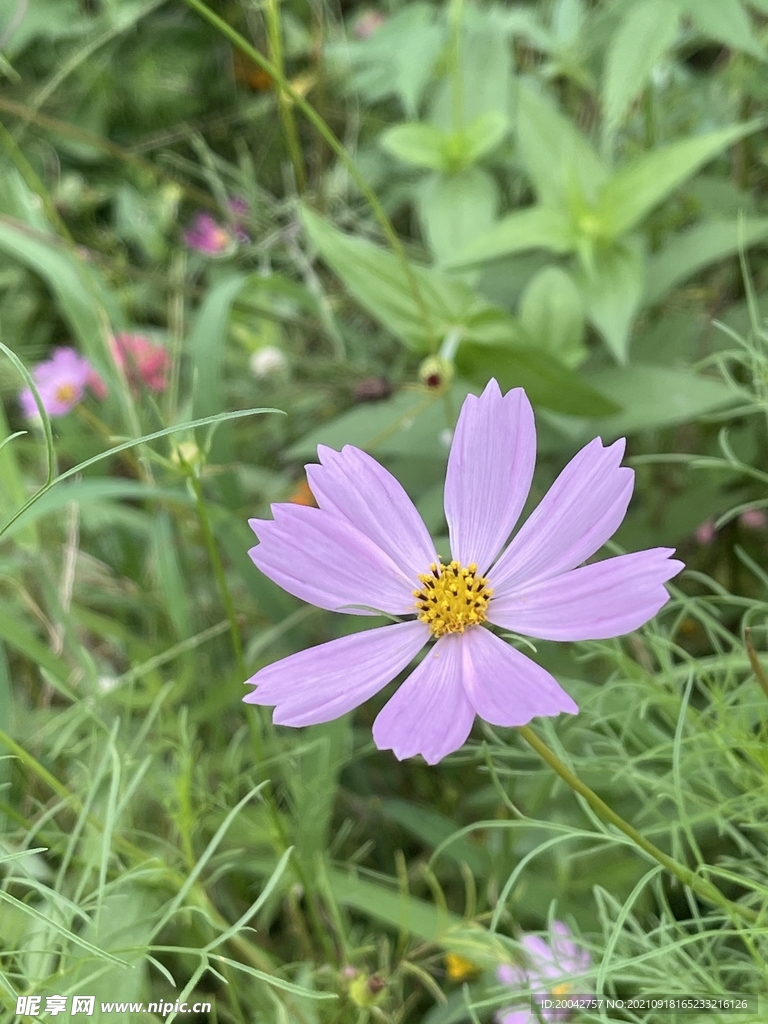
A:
(218, 571)
(701, 886)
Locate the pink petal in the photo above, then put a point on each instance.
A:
(594, 602)
(324, 682)
(323, 559)
(577, 515)
(504, 686)
(430, 714)
(489, 473)
(354, 486)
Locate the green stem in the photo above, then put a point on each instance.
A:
(218, 571)
(286, 113)
(699, 885)
(319, 124)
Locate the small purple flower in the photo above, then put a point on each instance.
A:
(753, 519)
(208, 236)
(61, 382)
(366, 547)
(547, 964)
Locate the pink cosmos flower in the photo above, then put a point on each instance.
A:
(547, 964)
(207, 235)
(61, 382)
(365, 547)
(144, 361)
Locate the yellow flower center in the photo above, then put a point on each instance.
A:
(452, 598)
(66, 392)
(561, 990)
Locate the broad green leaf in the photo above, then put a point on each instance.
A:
(482, 135)
(552, 313)
(16, 633)
(643, 37)
(80, 291)
(537, 227)
(658, 396)
(417, 917)
(689, 251)
(207, 346)
(633, 191)
(483, 76)
(556, 155)
(420, 144)
(377, 280)
(398, 910)
(433, 828)
(398, 58)
(612, 288)
(727, 21)
(546, 380)
(410, 423)
(454, 209)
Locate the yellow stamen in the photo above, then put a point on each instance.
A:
(66, 392)
(561, 990)
(452, 598)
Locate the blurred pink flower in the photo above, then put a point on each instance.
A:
(368, 23)
(144, 361)
(207, 235)
(547, 964)
(705, 533)
(61, 382)
(753, 519)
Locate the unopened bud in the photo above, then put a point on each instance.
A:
(367, 991)
(436, 373)
(186, 453)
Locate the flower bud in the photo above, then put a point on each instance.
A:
(436, 373)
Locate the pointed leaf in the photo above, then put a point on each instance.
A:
(726, 21)
(455, 209)
(689, 251)
(612, 291)
(555, 153)
(537, 227)
(636, 189)
(422, 145)
(546, 380)
(552, 313)
(377, 280)
(642, 39)
(658, 396)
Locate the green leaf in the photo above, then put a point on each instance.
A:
(547, 381)
(455, 209)
(483, 134)
(483, 75)
(556, 155)
(407, 424)
(422, 145)
(658, 396)
(612, 288)
(376, 279)
(643, 37)
(689, 251)
(537, 227)
(727, 21)
(632, 192)
(552, 313)
(399, 910)
(433, 828)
